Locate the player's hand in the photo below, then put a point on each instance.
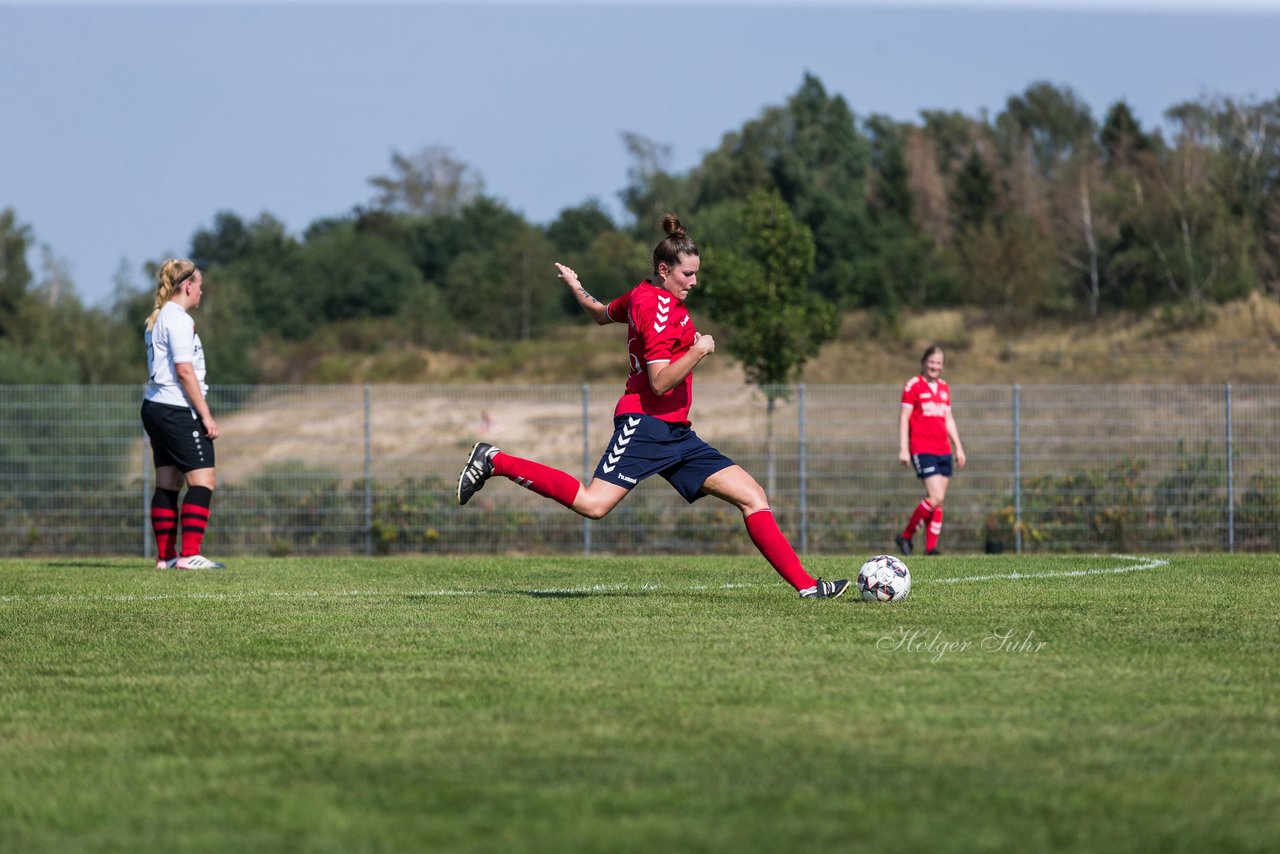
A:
(210, 428)
(959, 459)
(704, 344)
(566, 273)
(904, 457)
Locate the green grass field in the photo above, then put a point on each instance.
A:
(1097, 703)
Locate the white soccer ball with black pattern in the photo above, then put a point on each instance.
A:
(884, 578)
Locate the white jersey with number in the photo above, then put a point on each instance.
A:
(171, 340)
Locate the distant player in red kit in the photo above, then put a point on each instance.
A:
(927, 439)
(652, 433)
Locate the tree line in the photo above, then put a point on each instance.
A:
(804, 211)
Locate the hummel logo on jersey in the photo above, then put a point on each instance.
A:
(525, 482)
(664, 311)
(620, 446)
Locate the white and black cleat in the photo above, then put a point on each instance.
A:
(826, 589)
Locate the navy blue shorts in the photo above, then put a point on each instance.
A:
(643, 446)
(928, 465)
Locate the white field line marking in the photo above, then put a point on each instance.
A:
(1140, 564)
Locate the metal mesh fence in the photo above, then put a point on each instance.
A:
(372, 470)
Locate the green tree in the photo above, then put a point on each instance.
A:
(902, 263)
(1122, 137)
(15, 274)
(575, 228)
(1182, 241)
(353, 274)
(1052, 119)
(435, 242)
(613, 263)
(759, 259)
(652, 188)
(811, 153)
(430, 182)
(1246, 174)
(499, 292)
(973, 194)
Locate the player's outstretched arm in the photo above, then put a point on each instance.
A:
(596, 310)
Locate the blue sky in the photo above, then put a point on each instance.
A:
(127, 126)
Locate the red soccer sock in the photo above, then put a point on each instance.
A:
(934, 529)
(544, 480)
(764, 532)
(164, 521)
(195, 518)
(922, 512)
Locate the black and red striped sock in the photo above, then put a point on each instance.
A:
(195, 518)
(164, 522)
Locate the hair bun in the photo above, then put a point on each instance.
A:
(673, 227)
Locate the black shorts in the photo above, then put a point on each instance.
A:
(929, 465)
(177, 437)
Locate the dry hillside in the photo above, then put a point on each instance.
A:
(1237, 343)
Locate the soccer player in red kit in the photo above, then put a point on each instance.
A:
(927, 440)
(652, 433)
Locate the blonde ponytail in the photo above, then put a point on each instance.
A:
(169, 277)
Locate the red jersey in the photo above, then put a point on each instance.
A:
(927, 429)
(659, 329)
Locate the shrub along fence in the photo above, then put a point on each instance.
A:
(371, 470)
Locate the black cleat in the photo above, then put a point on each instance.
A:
(933, 553)
(825, 589)
(478, 469)
(904, 544)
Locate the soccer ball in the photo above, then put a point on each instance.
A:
(884, 578)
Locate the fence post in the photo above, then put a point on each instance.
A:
(586, 460)
(1231, 491)
(368, 475)
(1017, 469)
(804, 479)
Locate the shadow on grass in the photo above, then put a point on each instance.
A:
(536, 594)
(558, 594)
(82, 564)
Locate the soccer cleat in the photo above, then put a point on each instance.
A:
(478, 469)
(198, 562)
(933, 553)
(167, 564)
(904, 544)
(825, 589)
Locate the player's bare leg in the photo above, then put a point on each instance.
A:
(598, 498)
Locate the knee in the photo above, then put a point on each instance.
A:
(753, 500)
(592, 510)
(206, 478)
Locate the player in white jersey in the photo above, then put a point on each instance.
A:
(177, 419)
